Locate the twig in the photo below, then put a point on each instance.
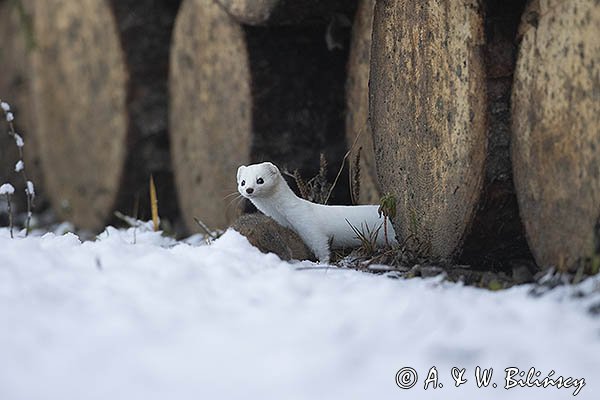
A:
(10, 217)
(342, 167)
(29, 189)
(205, 228)
(132, 222)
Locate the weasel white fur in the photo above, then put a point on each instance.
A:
(318, 225)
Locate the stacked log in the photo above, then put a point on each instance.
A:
(264, 80)
(210, 111)
(245, 93)
(100, 116)
(100, 91)
(79, 79)
(428, 110)
(556, 130)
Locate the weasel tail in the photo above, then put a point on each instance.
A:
(318, 225)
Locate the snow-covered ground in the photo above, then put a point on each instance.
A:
(159, 319)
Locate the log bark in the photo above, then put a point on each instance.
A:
(270, 237)
(210, 111)
(428, 115)
(287, 12)
(359, 136)
(79, 86)
(556, 135)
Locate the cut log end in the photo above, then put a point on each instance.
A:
(428, 115)
(79, 91)
(555, 117)
(210, 111)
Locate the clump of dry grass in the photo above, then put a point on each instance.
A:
(317, 189)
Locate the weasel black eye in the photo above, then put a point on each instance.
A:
(260, 181)
(243, 183)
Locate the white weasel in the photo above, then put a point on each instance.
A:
(318, 225)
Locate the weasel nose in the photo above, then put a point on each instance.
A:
(249, 190)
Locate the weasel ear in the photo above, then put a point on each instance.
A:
(239, 172)
(272, 167)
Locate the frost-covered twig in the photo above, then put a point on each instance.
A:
(7, 190)
(20, 166)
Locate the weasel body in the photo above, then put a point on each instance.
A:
(317, 224)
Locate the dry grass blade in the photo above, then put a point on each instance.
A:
(367, 237)
(387, 208)
(154, 205)
(304, 192)
(321, 181)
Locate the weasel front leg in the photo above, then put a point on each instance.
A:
(319, 244)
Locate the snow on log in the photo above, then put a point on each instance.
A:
(556, 135)
(428, 116)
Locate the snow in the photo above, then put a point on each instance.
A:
(30, 189)
(19, 140)
(5, 106)
(10, 117)
(19, 166)
(7, 188)
(134, 315)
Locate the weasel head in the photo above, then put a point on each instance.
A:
(258, 180)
